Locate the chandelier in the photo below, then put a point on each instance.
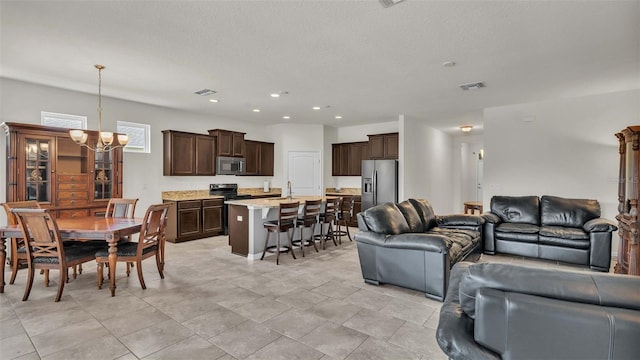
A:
(105, 138)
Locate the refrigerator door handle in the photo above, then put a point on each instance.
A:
(374, 175)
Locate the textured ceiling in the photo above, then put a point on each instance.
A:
(368, 63)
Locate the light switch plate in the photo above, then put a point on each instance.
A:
(239, 218)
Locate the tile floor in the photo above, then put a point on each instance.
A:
(215, 305)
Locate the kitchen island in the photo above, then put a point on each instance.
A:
(246, 217)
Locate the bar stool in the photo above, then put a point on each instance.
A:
(328, 217)
(309, 219)
(287, 215)
(344, 214)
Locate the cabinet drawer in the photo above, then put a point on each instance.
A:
(72, 194)
(212, 202)
(72, 213)
(192, 204)
(72, 186)
(73, 178)
(73, 202)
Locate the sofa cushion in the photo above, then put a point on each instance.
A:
(426, 213)
(411, 215)
(517, 232)
(517, 209)
(568, 212)
(385, 219)
(564, 232)
(459, 241)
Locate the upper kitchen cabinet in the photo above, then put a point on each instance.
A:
(45, 165)
(230, 143)
(383, 146)
(188, 154)
(347, 158)
(259, 158)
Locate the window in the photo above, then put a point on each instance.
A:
(63, 120)
(139, 136)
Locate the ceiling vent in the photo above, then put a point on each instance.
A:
(472, 86)
(204, 92)
(388, 3)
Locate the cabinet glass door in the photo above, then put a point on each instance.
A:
(38, 170)
(104, 175)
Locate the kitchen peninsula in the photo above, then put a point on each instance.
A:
(246, 217)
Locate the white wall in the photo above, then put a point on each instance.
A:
(22, 102)
(569, 150)
(426, 169)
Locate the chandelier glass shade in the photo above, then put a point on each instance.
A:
(105, 138)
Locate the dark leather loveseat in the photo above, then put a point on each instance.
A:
(407, 245)
(504, 311)
(551, 227)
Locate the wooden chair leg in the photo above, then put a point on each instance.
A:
(79, 269)
(313, 241)
(301, 239)
(290, 237)
(139, 268)
(15, 266)
(100, 275)
(75, 272)
(348, 233)
(64, 277)
(159, 264)
(266, 243)
(46, 277)
(27, 289)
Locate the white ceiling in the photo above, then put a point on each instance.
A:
(368, 63)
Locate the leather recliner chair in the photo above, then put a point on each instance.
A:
(503, 311)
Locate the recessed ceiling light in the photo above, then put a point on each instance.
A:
(256, 110)
(449, 64)
(473, 86)
(316, 108)
(338, 116)
(214, 100)
(278, 94)
(286, 117)
(275, 95)
(466, 128)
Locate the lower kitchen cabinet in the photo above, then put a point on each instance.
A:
(194, 219)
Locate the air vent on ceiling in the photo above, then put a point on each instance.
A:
(204, 92)
(387, 3)
(472, 86)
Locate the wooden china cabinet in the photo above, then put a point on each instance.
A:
(628, 190)
(45, 165)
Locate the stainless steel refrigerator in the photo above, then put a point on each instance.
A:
(379, 182)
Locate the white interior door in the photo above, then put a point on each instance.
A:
(304, 173)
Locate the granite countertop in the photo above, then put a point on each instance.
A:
(272, 202)
(343, 191)
(259, 191)
(184, 195)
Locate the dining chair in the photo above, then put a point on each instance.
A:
(309, 219)
(328, 217)
(150, 243)
(122, 208)
(45, 249)
(287, 215)
(344, 215)
(19, 256)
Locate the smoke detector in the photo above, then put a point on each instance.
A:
(204, 92)
(472, 86)
(388, 3)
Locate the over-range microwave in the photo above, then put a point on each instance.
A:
(226, 165)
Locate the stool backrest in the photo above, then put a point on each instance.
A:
(331, 209)
(311, 212)
(287, 215)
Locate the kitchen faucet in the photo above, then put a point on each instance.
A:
(289, 190)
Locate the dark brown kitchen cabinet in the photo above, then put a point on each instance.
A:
(383, 146)
(188, 154)
(347, 158)
(230, 143)
(194, 219)
(259, 158)
(45, 165)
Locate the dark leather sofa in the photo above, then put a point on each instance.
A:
(407, 245)
(503, 311)
(551, 227)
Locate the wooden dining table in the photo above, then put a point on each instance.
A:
(90, 228)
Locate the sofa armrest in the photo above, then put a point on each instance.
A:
(413, 241)
(459, 220)
(599, 225)
(491, 218)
